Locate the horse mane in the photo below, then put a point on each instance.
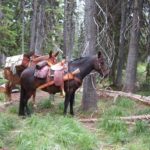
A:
(79, 60)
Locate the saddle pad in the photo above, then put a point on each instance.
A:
(41, 64)
(56, 67)
(42, 73)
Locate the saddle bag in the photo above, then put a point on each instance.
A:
(41, 64)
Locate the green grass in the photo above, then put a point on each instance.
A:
(2, 97)
(141, 72)
(45, 132)
(2, 81)
(7, 123)
(116, 132)
(48, 129)
(44, 104)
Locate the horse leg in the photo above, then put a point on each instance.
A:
(66, 103)
(22, 103)
(72, 103)
(23, 108)
(8, 87)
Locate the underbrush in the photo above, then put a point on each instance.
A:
(118, 133)
(46, 132)
(48, 129)
(2, 97)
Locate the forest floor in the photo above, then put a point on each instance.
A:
(109, 132)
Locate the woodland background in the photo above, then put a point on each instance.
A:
(118, 28)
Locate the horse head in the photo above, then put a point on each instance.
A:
(52, 57)
(100, 65)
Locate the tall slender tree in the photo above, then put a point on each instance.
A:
(33, 25)
(69, 27)
(38, 26)
(89, 99)
(131, 69)
(40, 30)
(121, 52)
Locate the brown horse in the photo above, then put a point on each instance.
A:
(28, 60)
(29, 83)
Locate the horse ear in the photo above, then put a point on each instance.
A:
(50, 54)
(56, 54)
(99, 54)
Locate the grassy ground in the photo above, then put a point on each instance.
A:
(118, 135)
(48, 129)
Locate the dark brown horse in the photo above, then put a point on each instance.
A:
(29, 59)
(86, 64)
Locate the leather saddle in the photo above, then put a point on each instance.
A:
(55, 72)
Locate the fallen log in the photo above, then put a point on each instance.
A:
(136, 118)
(115, 94)
(90, 120)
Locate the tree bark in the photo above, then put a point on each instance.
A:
(38, 27)
(131, 69)
(33, 26)
(121, 52)
(2, 56)
(148, 52)
(40, 30)
(69, 27)
(23, 25)
(89, 99)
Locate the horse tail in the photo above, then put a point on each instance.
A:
(22, 102)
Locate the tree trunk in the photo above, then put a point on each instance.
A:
(121, 52)
(131, 69)
(40, 30)
(69, 27)
(89, 99)
(33, 26)
(2, 56)
(23, 25)
(148, 52)
(38, 27)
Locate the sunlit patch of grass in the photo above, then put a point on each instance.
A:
(2, 80)
(13, 109)
(117, 129)
(143, 111)
(49, 132)
(141, 127)
(125, 103)
(141, 72)
(144, 92)
(116, 132)
(114, 111)
(44, 104)
(7, 123)
(1, 144)
(2, 97)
